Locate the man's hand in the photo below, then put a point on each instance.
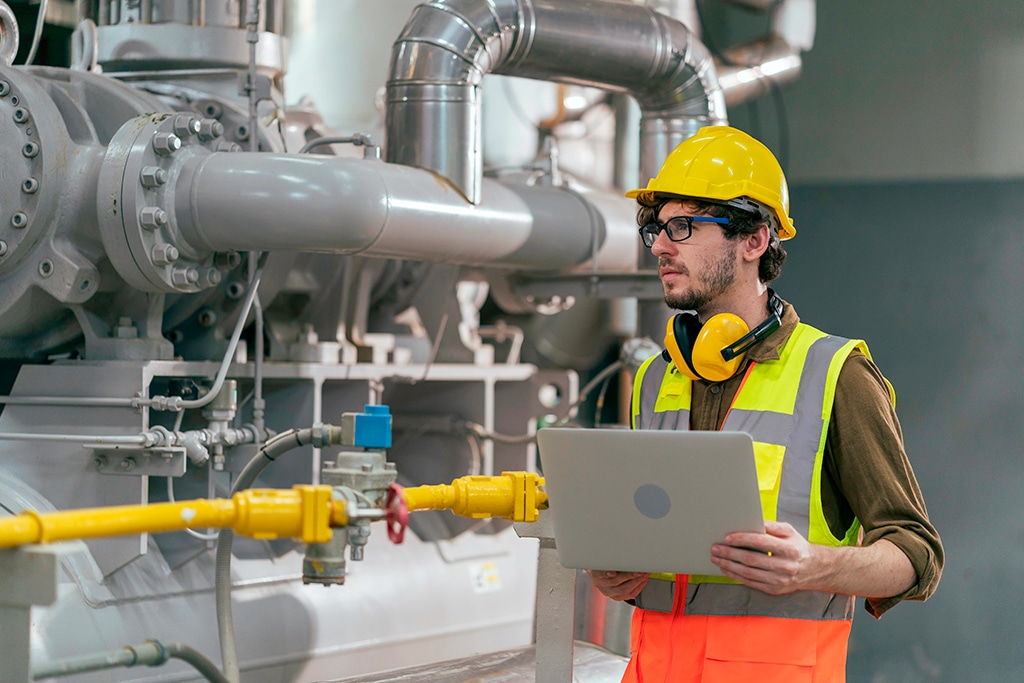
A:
(778, 561)
(781, 561)
(618, 585)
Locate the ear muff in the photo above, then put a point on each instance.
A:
(696, 349)
(714, 351)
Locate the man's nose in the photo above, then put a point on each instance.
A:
(663, 246)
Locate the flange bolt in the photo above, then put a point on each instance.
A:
(153, 176)
(184, 276)
(164, 254)
(29, 186)
(19, 219)
(210, 129)
(166, 143)
(185, 125)
(153, 217)
(30, 150)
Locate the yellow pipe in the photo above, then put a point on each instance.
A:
(513, 495)
(304, 512)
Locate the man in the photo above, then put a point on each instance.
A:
(844, 516)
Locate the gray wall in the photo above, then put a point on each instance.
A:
(906, 156)
(931, 275)
(901, 89)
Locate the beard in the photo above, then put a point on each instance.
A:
(718, 275)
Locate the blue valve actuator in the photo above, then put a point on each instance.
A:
(373, 427)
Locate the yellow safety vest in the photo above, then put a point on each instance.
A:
(710, 628)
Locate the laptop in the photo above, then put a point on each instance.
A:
(647, 500)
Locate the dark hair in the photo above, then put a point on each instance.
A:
(741, 223)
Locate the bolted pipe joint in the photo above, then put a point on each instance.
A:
(166, 144)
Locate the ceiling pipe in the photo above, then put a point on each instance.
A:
(748, 71)
(433, 116)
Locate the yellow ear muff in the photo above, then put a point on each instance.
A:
(718, 332)
(696, 350)
(675, 344)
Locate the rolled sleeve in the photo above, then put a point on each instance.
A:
(872, 478)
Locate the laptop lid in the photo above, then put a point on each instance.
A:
(647, 500)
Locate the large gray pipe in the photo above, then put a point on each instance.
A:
(246, 201)
(447, 46)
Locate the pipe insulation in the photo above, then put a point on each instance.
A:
(433, 117)
(342, 205)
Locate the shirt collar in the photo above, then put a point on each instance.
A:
(768, 348)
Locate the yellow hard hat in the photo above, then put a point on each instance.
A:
(722, 163)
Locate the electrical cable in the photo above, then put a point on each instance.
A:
(210, 536)
(357, 140)
(218, 383)
(271, 450)
(479, 430)
(37, 36)
(153, 402)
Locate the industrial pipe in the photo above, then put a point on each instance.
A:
(516, 496)
(342, 205)
(304, 512)
(447, 46)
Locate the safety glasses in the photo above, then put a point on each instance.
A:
(678, 228)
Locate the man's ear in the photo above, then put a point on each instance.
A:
(756, 243)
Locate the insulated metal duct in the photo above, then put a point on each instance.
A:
(447, 46)
(748, 71)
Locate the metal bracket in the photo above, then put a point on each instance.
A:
(262, 85)
(136, 461)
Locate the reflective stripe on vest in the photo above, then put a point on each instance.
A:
(785, 406)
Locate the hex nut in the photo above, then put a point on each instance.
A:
(29, 186)
(211, 277)
(153, 176)
(210, 129)
(184, 276)
(19, 219)
(185, 125)
(164, 254)
(166, 143)
(152, 217)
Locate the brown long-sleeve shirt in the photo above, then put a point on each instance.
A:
(866, 472)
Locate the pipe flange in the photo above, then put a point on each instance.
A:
(138, 199)
(22, 158)
(9, 37)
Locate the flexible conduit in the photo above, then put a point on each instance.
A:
(274, 448)
(150, 653)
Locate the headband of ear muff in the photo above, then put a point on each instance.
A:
(714, 351)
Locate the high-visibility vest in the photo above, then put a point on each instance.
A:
(711, 629)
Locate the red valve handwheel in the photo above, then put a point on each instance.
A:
(397, 513)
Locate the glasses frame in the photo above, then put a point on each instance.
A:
(649, 232)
